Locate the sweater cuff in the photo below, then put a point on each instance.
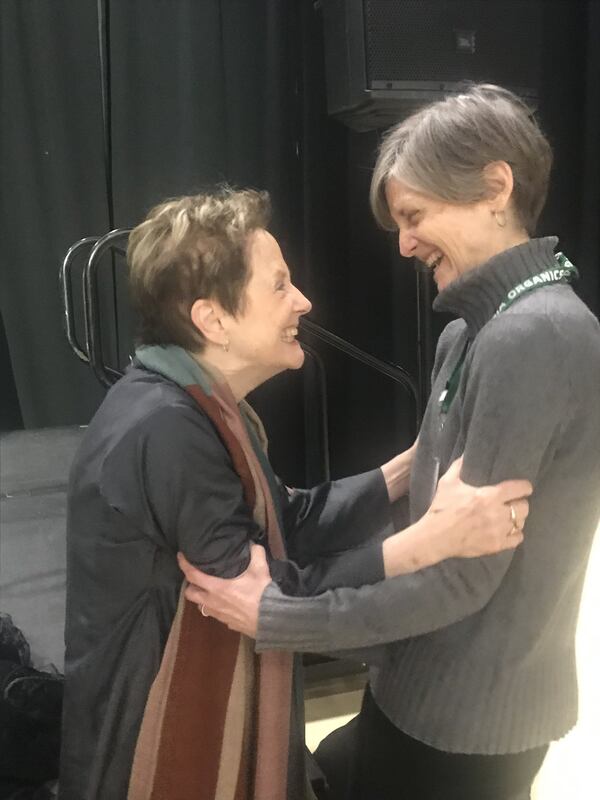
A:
(284, 620)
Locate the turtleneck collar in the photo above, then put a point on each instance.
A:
(476, 295)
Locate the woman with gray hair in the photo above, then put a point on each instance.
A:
(473, 662)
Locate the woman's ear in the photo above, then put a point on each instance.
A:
(499, 179)
(206, 315)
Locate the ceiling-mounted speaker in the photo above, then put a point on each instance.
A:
(384, 58)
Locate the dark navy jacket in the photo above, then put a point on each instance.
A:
(151, 478)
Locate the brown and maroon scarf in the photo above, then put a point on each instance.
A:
(216, 722)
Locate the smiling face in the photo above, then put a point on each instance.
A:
(262, 336)
(450, 238)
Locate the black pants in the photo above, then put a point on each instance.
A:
(370, 759)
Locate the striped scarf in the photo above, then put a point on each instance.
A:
(217, 720)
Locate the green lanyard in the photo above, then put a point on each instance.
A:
(565, 272)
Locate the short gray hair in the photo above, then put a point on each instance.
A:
(442, 151)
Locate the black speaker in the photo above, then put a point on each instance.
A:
(384, 58)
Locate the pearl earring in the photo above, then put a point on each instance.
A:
(226, 346)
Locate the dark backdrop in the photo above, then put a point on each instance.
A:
(233, 90)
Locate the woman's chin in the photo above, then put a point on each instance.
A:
(296, 356)
(443, 279)
(298, 361)
(292, 359)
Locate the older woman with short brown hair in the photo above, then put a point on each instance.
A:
(479, 673)
(160, 701)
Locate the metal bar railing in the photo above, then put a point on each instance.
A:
(66, 290)
(316, 427)
(393, 371)
(91, 304)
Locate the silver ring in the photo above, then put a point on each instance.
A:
(203, 612)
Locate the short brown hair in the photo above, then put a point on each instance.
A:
(187, 248)
(443, 149)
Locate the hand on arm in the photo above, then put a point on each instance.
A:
(463, 521)
(511, 417)
(233, 602)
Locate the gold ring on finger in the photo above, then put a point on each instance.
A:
(515, 523)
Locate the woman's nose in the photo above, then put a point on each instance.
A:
(303, 304)
(407, 243)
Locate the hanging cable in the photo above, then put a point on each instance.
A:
(103, 10)
(104, 53)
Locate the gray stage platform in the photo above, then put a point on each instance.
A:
(34, 468)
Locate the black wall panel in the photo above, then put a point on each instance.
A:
(229, 90)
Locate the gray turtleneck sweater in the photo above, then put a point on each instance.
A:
(478, 655)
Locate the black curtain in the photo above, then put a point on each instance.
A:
(115, 106)
(196, 93)
(108, 107)
(351, 274)
(363, 289)
(53, 193)
(589, 252)
(570, 113)
(202, 93)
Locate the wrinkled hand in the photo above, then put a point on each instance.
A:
(235, 601)
(480, 518)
